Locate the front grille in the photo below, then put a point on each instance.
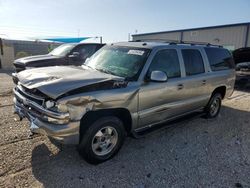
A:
(23, 91)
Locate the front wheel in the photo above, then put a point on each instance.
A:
(102, 140)
(213, 108)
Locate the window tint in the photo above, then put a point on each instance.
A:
(85, 51)
(219, 59)
(166, 61)
(193, 62)
(62, 50)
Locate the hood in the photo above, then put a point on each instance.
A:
(241, 55)
(58, 80)
(32, 59)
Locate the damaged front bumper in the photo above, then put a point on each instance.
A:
(64, 130)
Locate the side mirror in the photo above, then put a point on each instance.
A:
(158, 76)
(74, 55)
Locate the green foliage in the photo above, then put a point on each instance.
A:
(22, 54)
(51, 47)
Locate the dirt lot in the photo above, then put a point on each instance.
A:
(194, 153)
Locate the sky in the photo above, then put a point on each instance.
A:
(114, 19)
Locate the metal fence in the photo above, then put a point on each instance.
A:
(28, 48)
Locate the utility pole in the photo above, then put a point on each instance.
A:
(1, 46)
(1, 51)
(100, 37)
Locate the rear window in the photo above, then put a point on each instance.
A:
(193, 62)
(219, 59)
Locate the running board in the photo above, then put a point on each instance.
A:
(165, 125)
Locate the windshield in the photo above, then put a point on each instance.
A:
(62, 50)
(124, 62)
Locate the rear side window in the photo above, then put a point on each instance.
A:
(219, 59)
(193, 62)
(166, 61)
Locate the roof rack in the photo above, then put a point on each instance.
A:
(175, 42)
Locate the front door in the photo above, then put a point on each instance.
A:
(162, 100)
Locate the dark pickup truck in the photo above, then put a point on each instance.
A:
(66, 54)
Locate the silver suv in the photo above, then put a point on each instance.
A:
(123, 89)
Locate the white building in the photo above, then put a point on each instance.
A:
(232, 36)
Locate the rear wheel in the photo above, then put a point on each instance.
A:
(102, 140)
(213, 108)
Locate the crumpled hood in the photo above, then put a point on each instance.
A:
(58, 80)
(27, 60)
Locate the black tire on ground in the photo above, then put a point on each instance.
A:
(92, 135)
(214, 105)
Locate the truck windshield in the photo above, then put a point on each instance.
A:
(62, 50)
(124, 62)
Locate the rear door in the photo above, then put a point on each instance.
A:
(195, 81)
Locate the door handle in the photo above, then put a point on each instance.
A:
(180, 86)
(204, 82)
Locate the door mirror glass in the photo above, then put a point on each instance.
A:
(158, 76)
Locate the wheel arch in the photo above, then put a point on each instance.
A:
(221, 90)
(122, 113)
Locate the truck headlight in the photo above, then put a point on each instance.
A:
(49, 104)
(62, 107)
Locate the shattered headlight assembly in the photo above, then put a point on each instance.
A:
(62, 108)
(49, 104)
(75, 110)
(57, 107)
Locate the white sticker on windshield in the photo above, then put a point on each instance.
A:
(136, 52)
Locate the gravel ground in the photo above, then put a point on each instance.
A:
(194, 153)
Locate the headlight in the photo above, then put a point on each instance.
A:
(56, 106)
(62, 107)
(49, 104)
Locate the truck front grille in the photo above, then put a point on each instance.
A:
(23, 91)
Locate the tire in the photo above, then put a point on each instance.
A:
(102, 140)
(214, 105)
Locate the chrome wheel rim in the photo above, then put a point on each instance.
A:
(104, 141)
(214, 106)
